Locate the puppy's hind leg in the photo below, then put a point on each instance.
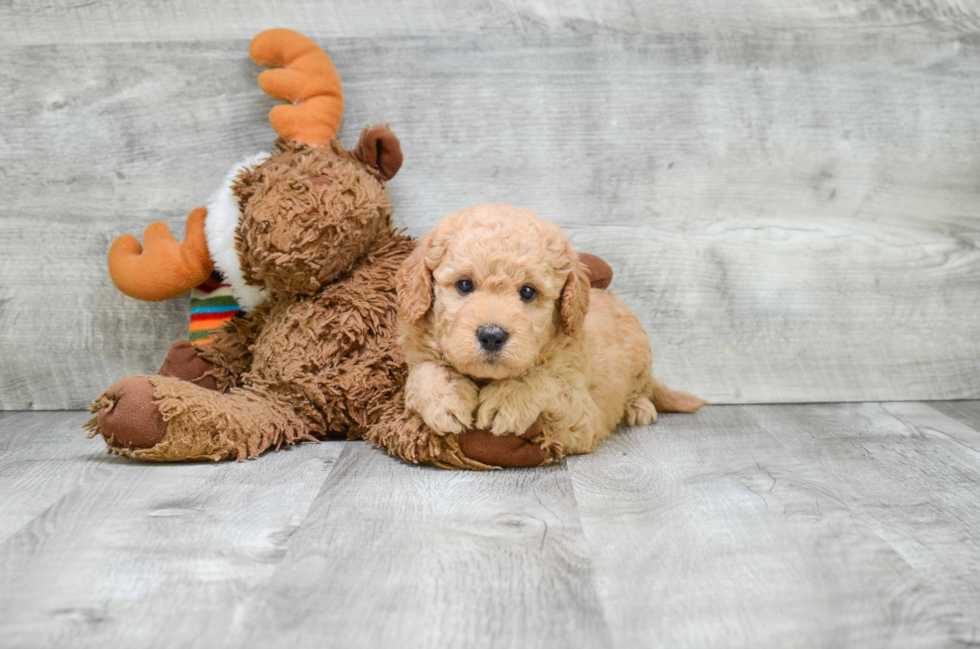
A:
(654, 397)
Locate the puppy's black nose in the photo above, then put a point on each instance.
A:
(491, 337)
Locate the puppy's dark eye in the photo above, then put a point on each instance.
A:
(528, 293)
(464, 286)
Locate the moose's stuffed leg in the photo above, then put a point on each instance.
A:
(229, 353)
(165, 419)
(532, 448)
(406, 436)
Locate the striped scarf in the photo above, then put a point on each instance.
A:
(212, 305)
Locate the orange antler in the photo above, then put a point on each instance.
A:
(162, 267)
(307, 79)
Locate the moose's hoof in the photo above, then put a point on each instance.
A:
(134, 419)
(183, 362)
(503, 450)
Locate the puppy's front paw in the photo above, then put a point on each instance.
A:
(448, 410)
(451, 417)
(507, 407)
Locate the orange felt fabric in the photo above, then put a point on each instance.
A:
(307, 79)
(162, 267)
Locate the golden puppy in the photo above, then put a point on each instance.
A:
(500, 326)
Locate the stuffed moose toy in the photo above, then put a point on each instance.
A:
(304, 238)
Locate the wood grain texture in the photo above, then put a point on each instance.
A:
(396, 556)
(790, 205)
(967, 412)
(708, 531)
(138, 552)
(913, 477)
(40, 462)
(840, 525)
(63, 21)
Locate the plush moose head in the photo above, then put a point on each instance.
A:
(282, 223)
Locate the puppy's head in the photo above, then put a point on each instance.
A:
(489, 287)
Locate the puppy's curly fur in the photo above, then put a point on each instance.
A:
(577, 356)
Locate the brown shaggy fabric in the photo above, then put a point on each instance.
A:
(299, 235)
(321, 356)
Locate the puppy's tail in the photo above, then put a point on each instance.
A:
(667, 400)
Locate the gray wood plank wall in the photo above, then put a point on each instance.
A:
(788, 191)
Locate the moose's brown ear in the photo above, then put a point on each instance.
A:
(380, 150)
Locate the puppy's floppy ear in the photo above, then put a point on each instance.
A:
(380, 150)
(413, 282)
(574, 301)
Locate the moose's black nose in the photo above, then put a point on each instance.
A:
(491, 337)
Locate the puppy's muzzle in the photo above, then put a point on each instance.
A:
(492, 337)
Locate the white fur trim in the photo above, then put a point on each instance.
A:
(219, 230)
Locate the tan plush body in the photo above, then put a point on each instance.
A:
(501, 327)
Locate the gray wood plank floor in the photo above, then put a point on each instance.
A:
(788, 525)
